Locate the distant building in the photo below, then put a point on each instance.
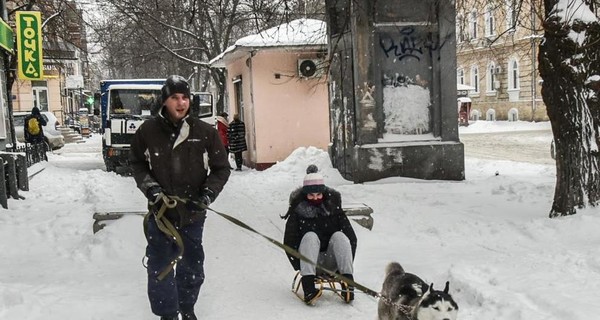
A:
(497, 47)
(277, 83)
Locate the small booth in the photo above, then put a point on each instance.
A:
(464, 103)
(464, 110)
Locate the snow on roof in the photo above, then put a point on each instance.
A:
(301, 32)
(464, 87)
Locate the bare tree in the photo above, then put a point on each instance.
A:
(157, 38)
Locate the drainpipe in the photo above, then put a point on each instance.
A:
(533, 64)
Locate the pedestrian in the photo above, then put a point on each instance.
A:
(237, 140)
(223, 127)
(34, 134)
(319, 230)
(180, 165)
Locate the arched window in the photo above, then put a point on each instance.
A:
(473, 24)
(490, 115)
(475, 78)
(475, 115)
(513, 114)
(491, 77)
(513, 75)
(490, 21)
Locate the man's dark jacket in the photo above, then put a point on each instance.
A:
(183, 160)
(323, 225)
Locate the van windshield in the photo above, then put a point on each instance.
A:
(134, 102)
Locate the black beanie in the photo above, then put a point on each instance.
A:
(175, 84)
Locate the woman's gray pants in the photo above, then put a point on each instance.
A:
(337, 257)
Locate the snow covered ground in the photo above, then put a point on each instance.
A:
(489, 235)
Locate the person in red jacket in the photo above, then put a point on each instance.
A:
(222, 127)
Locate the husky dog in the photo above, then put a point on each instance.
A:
(407, 297)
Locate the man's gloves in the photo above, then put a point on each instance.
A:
(207, 196)
(154, 194)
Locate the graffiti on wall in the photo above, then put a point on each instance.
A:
(367, 103)
(408, 43)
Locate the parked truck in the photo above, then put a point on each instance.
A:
(125, 104)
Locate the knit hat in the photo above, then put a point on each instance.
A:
(313, 181)
(175, 84)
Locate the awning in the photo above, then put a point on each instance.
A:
(463, 99)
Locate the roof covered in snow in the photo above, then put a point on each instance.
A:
(296, 33)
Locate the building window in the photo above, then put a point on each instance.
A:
(473, 25)
(490, 21)
(513, 75)
(491, 78)
(475, 78)
(460, 76)
(513, 114)
(511, 21)
(461, 32)
(490, 115)
(475, 115)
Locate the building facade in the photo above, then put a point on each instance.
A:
(497, 55)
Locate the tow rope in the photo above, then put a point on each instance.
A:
(168, 228)
(291, 251)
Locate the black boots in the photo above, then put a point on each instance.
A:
(347, 290)
(311, 294)
(184, 316)
(188, 316)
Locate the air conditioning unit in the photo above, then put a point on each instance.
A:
(496, 85)
(310, 68)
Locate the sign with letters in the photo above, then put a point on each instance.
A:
(29, 45)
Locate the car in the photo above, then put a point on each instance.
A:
(52, 134)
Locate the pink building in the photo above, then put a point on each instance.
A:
(276, 81)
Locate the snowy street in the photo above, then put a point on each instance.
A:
(489, 235)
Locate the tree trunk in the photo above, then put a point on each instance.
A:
(565, 67)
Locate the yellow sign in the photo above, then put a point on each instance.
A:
(29, 45)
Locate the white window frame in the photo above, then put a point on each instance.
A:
(475, 79)
(473, 25)
(514, 82)
(460, 76)
(461, 32)
(490, 21)
(511, 24)
(490, 76)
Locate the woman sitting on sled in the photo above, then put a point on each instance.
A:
(319, 230)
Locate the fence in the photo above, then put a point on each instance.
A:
(13, 172)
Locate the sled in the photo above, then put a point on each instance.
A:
(358, 212)
(323, 282)
(101, 219)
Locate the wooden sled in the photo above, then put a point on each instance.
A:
(323, 282)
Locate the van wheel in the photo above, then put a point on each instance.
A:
(110, 167)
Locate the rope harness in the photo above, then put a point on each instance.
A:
(166, 227)
(170, 231)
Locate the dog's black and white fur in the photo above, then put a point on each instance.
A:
(407, 297)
